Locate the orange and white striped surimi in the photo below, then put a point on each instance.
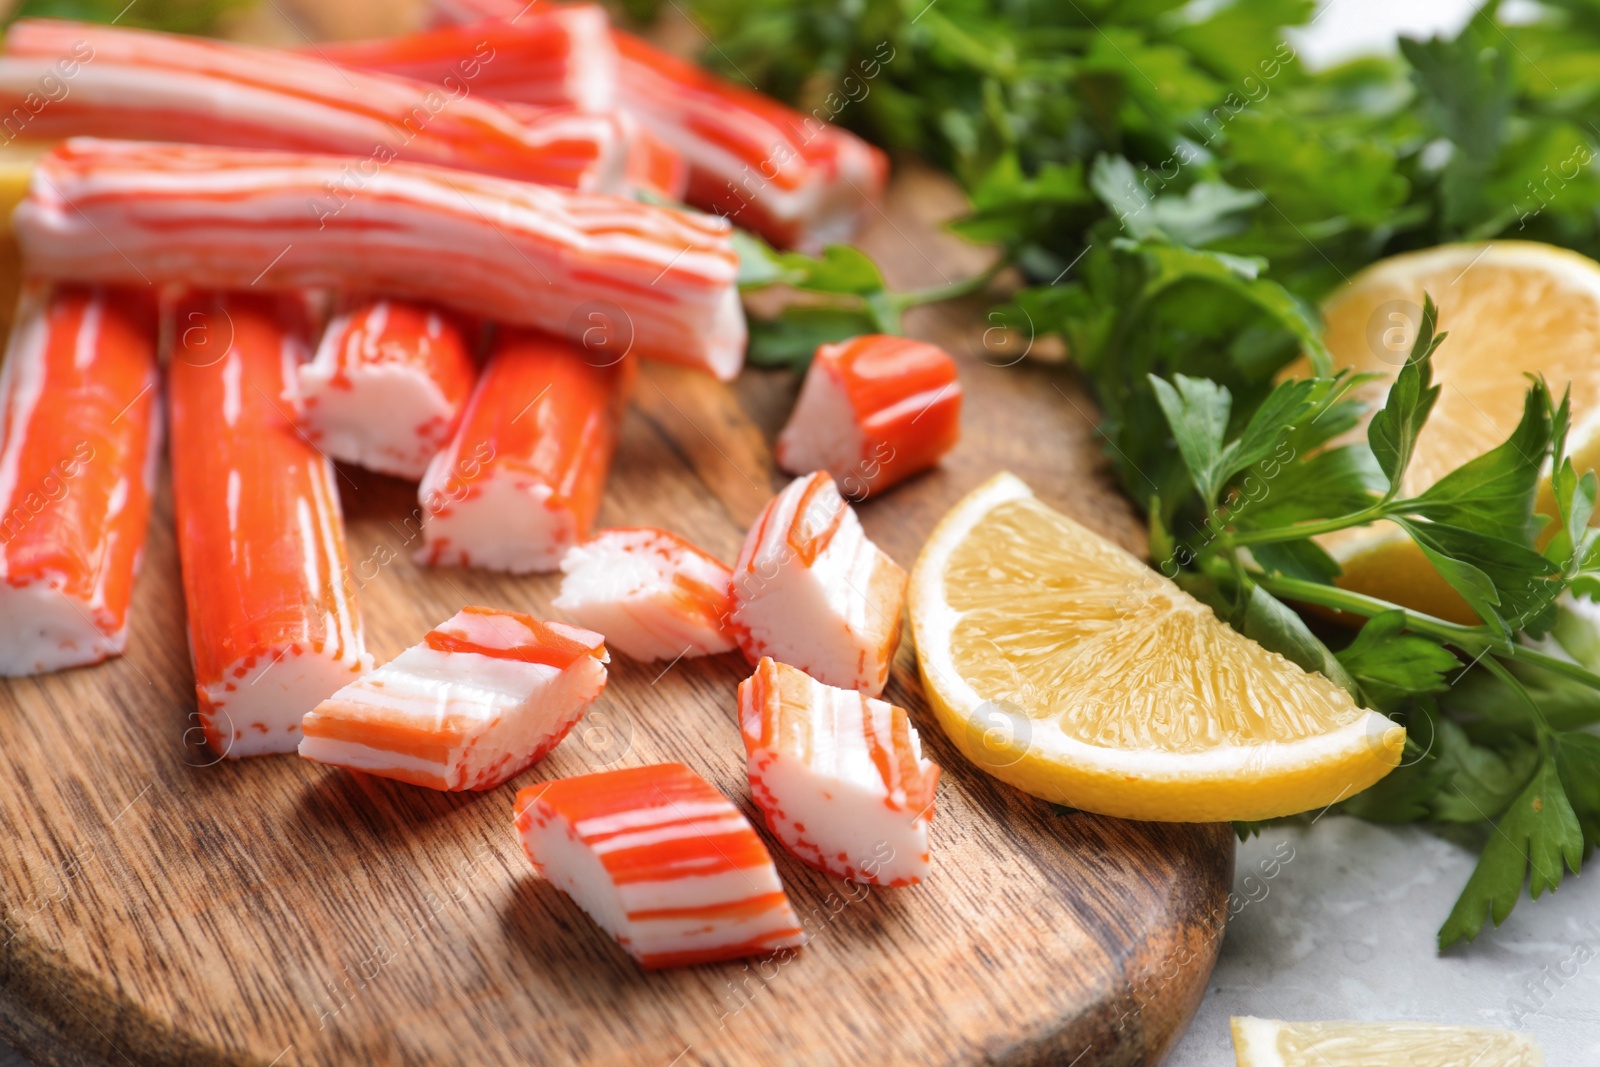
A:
(551, 56)
(662, 862)
(80, 427)
(484, 696)
(653, 165)
(873, 411)
(521, 480)
(810, 590)
(662, 281)
(387, 385)
(555, 57)
(796, 179)
(652, 593)
(839, 776)
(273, 628)
(148, 86)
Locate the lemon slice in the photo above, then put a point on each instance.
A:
(1512, 308)
(1269, 1043)
(1063, 665)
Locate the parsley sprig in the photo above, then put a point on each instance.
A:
(1523, 770)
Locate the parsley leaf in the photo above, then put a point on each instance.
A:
(1465, 84)
(1537, 839)
(1392, 666)
(1197, 410)
(1393, 431)
(1494, 493)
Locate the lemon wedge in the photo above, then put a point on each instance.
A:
(1063, 665)
(1270, 1043)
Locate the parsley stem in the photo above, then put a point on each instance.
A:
(1474, 640)
(1543, 731)
(1312, 529)
(1328, 596)
(911, 298)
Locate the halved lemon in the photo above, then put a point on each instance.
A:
(1270, 1043)
(1512, 308)
(1060, 663)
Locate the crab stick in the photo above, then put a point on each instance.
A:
(538, 435)
(661, 861)
(839, 776)
(79, 437)
(551, 56)
(556, 57)
(272, 626)
(873, 411)
(810, 590)
(387, 385)
(506, 251)
(795, 179)
(653, 165)
(148, 86)
(484, 696)
(653, 594)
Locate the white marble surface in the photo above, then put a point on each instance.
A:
(1346, 931)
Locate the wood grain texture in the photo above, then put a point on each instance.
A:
(161, 908)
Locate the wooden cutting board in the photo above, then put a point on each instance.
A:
(158, 907)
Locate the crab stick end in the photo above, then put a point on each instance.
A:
(839, 776)
(662, 862)
(726, 338)
(42, 630)
(386, 386)
(521, 481)
(811, 590)
(256, 707)
(509, 524)
(654, 595)
(483, 697)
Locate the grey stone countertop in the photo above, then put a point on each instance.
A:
(1337, 921)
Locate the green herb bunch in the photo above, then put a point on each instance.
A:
(1174, 189)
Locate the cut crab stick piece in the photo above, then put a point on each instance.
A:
(810, 590)
(839, 776)
(484, 696)
(80, 425)
(653, 594)
(664, 281)
(148, 86)
(537, 438)
(661, 861)
(793, 178)
(273, 628)
(387, 385)
(551, 56)
(873, 411)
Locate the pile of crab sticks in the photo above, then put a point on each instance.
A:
(388, 254)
